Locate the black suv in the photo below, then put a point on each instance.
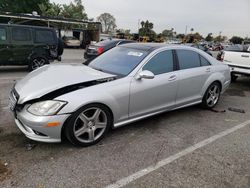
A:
(28, 45)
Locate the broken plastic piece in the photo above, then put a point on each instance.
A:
(237, 110)
(30, 146)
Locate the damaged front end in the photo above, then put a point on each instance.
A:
(14, 96)
(45, 127)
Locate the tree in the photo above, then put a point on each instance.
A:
(168, 33)
(125, 31)
(236, 40)
(209, 37)
(52, 9)
(142, 24)
(180, 36)
(74, 10)
(147, 29)
(22, 6)
(108, 22)
(192, 29)
(220, 38)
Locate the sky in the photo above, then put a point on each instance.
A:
(230, 17)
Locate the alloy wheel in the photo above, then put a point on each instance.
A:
(38, 62)
(90, 125)
(213, 95)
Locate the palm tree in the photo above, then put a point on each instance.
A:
(142, 24)
(150, 25)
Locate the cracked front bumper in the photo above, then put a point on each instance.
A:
(35, 127)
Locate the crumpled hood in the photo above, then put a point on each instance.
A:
(52, 77)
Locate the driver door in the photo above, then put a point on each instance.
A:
(159, 93)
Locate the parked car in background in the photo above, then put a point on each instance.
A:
(28, 45)
(238, 59)
(198, 46)
(127, 83)
(97, 49)
(71, 41)
(216, 47)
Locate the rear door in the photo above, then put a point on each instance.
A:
(193, 73)
(5, 54)
(159, 93)
(21, 44)
(45, 43)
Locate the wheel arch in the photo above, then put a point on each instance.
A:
(213, 78)
(91, 103)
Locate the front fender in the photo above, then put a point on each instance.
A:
(112, 94)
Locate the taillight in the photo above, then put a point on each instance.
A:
(100, 50)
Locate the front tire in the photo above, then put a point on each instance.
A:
(212, 96)
(88, 125)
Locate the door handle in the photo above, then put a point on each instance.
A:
(172, 78)
(208, 70)
(245, 56)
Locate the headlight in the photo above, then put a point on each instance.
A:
(46, 108)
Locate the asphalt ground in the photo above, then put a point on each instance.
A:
(190, 147)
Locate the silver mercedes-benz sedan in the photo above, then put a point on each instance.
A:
(125, 84)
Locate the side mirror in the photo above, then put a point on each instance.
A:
(145, 74)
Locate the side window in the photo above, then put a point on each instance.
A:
(161, 63)
(21, 34)
(204, 62)
(3, 35)
(188, 59)
(44, 36)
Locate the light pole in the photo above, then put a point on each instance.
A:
(139, 20)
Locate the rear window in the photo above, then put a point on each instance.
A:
(44, 36)
(188, 59)
(119, 60)
(21, 34)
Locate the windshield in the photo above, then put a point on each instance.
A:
(119, 60)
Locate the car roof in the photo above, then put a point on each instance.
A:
(110, 41)
(146, 46)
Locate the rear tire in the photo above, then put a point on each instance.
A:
(60, 47)
(88, 125)
(211, 96)
(37, 62)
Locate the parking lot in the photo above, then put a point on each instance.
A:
(191, 147)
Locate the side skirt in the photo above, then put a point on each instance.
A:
(119, 124)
